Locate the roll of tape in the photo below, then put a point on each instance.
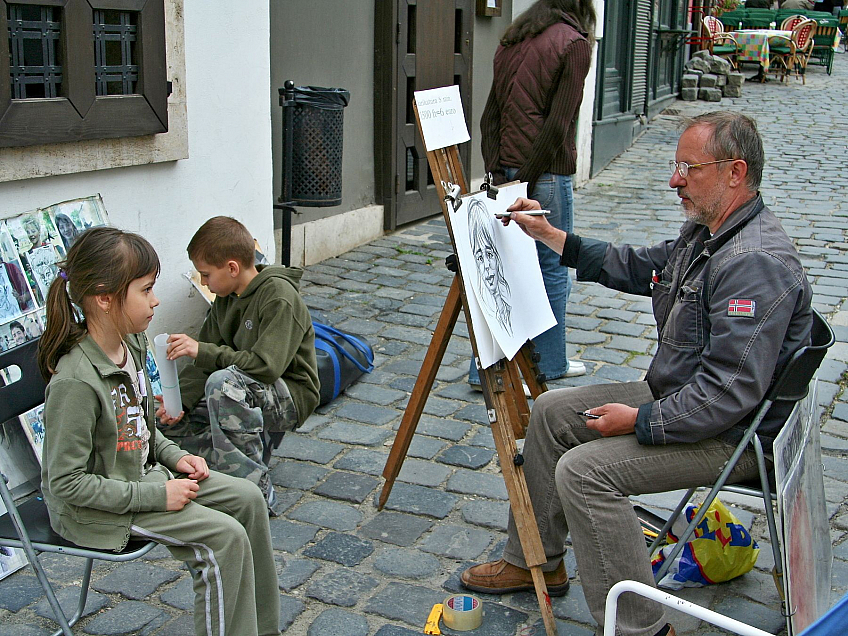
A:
(462, 612)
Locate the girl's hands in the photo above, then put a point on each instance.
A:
(164, 418)
(193, 466)
(179, 492)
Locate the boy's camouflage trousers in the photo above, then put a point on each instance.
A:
(227, 426)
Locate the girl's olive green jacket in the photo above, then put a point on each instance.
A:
(93, 480)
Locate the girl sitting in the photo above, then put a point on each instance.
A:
(108, 474)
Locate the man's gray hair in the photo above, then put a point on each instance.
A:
(734, 136)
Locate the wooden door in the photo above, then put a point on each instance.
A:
(431, 47)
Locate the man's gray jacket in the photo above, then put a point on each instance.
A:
(730, 309)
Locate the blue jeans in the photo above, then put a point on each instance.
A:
(553, 192)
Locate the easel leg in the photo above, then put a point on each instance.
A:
(429, 368)
(522, 508)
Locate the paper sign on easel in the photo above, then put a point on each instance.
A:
(441, 116)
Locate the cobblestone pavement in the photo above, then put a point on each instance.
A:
(347, 569)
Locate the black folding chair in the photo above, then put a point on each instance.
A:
(792, 385)
(27, 525)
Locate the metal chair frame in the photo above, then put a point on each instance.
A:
(23, 522)
(800, 49)
(792, 385)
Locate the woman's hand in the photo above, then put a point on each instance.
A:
(179, 492)
(193, 466)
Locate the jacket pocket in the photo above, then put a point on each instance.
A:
(685, 325)
(660, 300)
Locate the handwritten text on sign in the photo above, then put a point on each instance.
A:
(441, 116)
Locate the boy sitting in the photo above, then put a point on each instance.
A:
(254, 375)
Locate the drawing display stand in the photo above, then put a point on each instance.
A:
(506, 405)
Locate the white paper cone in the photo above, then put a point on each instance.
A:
(168, 376)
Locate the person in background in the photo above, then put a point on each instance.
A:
(528, 133)
(19, 334)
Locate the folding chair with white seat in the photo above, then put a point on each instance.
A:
(792, 385)
(27, 525)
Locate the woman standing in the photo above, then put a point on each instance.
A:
(528, 131)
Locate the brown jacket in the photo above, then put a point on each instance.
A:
(530, 116)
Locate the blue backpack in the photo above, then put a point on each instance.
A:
(342, 358)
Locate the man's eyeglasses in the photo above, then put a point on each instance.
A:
(683, 168)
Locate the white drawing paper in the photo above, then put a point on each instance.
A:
(168, 376)
(501, 273)
(441, 117)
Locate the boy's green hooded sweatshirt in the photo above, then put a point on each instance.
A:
(266, 332)
(92, 477)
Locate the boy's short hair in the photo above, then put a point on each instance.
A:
(222, 239)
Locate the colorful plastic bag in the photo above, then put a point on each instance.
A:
(721, 549)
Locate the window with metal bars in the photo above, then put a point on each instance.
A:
(115, 64)
(34, 51)
(81, 69)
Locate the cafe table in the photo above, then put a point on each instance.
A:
(753, 44)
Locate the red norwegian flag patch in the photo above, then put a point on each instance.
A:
(740, 307)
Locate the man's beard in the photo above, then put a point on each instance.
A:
(699, 214)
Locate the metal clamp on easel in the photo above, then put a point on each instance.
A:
(489, 187)
(452, 194)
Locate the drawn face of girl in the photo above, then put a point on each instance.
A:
(484, 249)
(487, 266)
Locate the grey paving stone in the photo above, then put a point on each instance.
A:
(286, 500)
(293, 572)
(619, 374)
(341, 587)
(68, 598)
(327, 514)
(367, 413)
(439, 427)
(489, 514)
(127, 617)
(64, 567)
(291, 537)
(423, 473)
(395, 527)
(312, 423)
(340, 548)
(406, 563)
(304, 448)
(354, 434)
(483, 438)
(456, 542)
(403, 383)
(460, 391)
(338, 623)
(135, 580)
(29, 630)
(408, 603)
(466, 456)
(424, 447)
(290, 609)
(347, 486)
(374, 394)
(179, 626)
(602, 354)
(840, 412)
(835, 468)
(292, 474)
(625, 343)
(473, 413)
(481, 484)
(362, 461)
(765, 618)
(420, 500)
(395, 630)
(19, 591)
(180, 595)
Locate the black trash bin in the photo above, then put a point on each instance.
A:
(316, 131)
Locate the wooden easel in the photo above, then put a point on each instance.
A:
(506, 404)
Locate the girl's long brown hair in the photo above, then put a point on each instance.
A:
(545, 13)
(102, 260)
